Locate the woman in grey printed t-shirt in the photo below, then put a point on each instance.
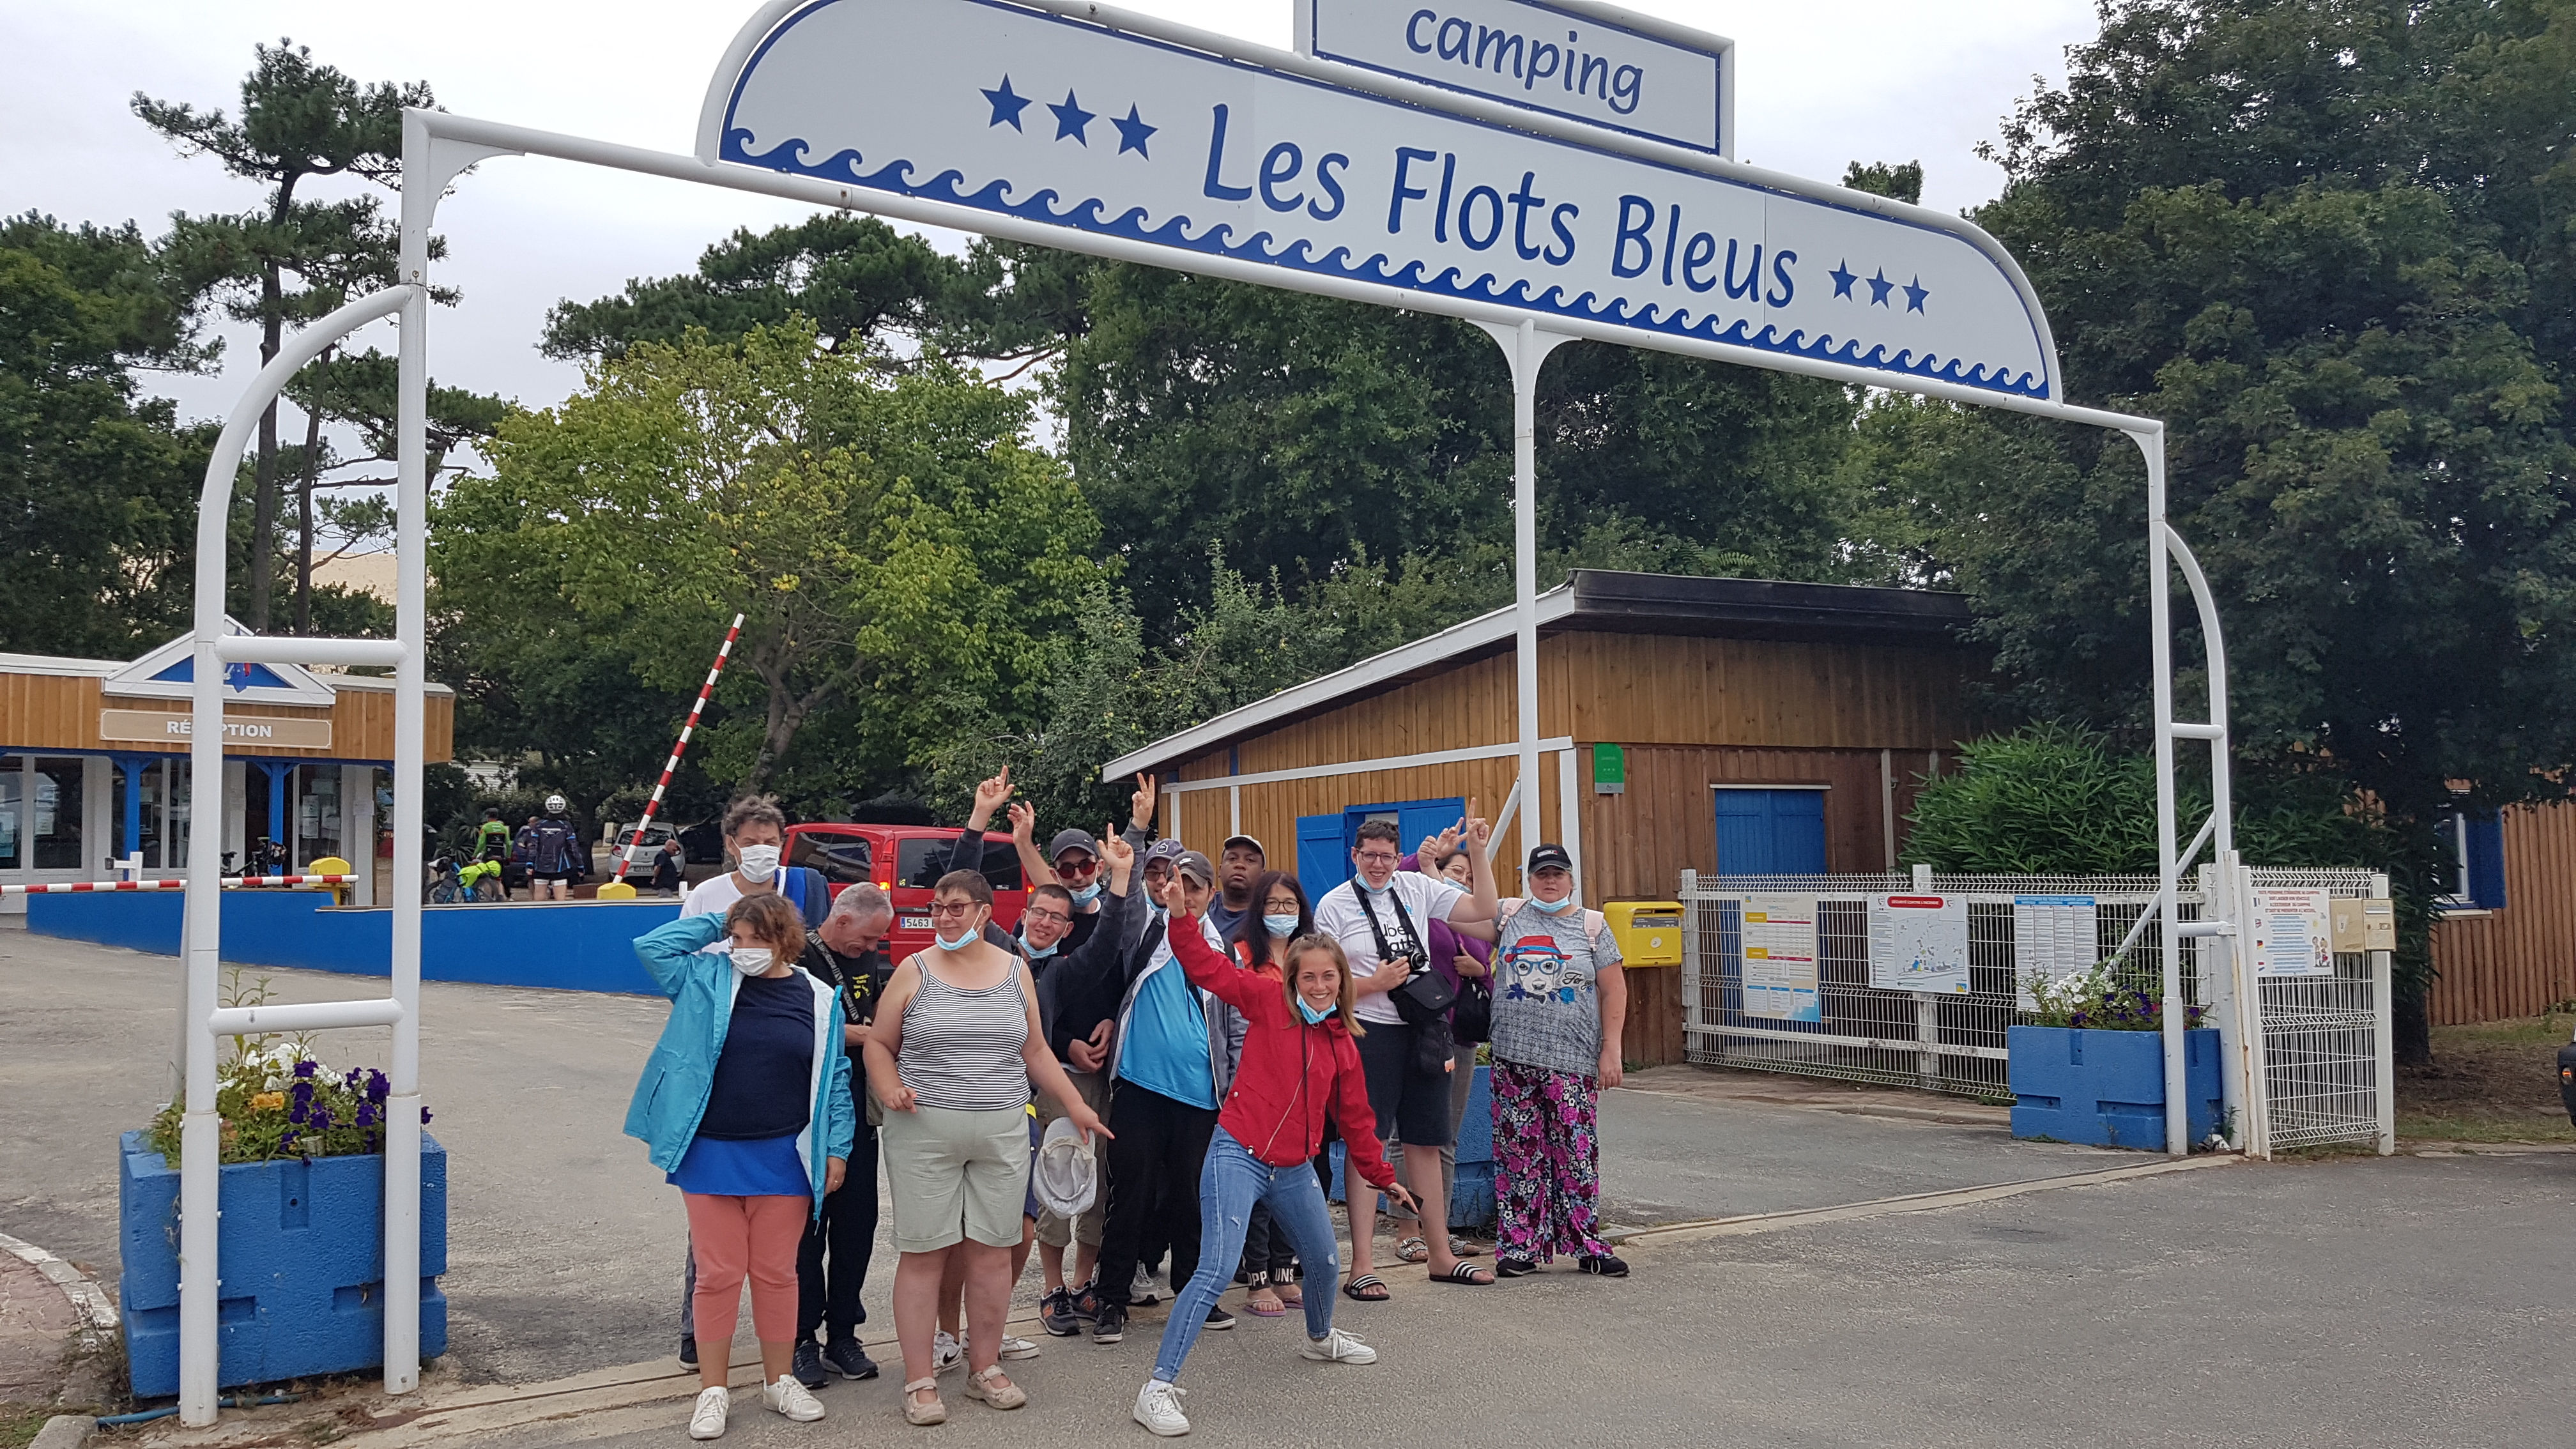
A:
(1560, 999)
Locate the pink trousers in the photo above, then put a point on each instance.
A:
(738, 1237)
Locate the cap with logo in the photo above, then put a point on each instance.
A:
(1544, 857)
(1165, 850)
(1194, 865)
(1232, 841)
(1065, 840)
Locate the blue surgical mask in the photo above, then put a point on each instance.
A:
(960, 944)
(1036, 955)
(1280, 925)
(1086, 895)
(1555, 907)
(1314, 1017)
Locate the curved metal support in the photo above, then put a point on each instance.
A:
(199, 1131)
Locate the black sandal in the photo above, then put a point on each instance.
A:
(1366, 1288)
(1464, 1273)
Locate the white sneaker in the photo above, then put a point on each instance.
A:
(1158, 1408)
(707, 1420)
(1338, 1347)
(1144, 1291)
(1017, 1348)
(946, 1353)
(792, 1399)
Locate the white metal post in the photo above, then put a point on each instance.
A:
(2160, 628)
(1569, 816)
(200, 1131)
(1525, 348)
(2383, 1079)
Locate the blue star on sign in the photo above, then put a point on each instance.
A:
(1843, 278)
(1915, 292)
(1006, 106)
(1132, 133)
(1879, 287)
(1070, 118)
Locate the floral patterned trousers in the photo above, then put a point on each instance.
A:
(1547, 1163)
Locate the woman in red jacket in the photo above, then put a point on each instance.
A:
(1299, 1066)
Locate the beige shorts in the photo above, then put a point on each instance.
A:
(955, 1174)
(1059, 1232)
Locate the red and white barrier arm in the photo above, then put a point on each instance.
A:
(65, 888)
(626, 857)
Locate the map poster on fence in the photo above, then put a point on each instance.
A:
(1780, 958)
(2290, 934)
(2053, 936)
(1919, 943)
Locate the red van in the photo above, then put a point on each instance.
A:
(905, 861)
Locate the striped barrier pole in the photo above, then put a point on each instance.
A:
(626, 857)
(64, 888)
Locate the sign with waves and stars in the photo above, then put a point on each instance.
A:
(1023, 111)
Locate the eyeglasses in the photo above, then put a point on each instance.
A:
(1084, 866)
(953, 908)
(1048, 918)
(1379, 857)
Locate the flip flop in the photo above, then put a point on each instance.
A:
(1413, 1250)
(1366, 1288)
(1254, 1307)
(1464, 1273)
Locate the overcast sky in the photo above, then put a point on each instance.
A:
(1823, 83)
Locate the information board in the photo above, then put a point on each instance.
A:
(2053, 936)
(2290, 934)
(1780, 958)
(1919, 943)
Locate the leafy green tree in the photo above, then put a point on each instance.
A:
(98, 484)
(299, 122)
(898, 548)
(2325, 240)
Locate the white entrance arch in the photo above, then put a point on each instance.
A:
(1985, 365)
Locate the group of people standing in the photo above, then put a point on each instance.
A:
(1172, 1042)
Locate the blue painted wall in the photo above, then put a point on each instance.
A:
(566, 946)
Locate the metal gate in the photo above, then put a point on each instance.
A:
(2321, 1054)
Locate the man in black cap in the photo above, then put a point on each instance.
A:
(1239, 865)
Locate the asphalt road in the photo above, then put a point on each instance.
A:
(2350, 1301)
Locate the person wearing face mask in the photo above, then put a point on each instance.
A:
(755, 835)
(1047, 938)
(1381, 915)
(1560, 999)
(754, 831)
(1279, 915)
(845, 953)
(745, 1106)
(956, 1043)
(1299, 1065)
(1173, 1054)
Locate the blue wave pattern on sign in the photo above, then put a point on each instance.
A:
(1047, 204)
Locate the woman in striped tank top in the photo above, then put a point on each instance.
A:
(955, 1045)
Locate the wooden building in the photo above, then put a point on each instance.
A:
(1687, 723)
(94, 763)
(2506, 943)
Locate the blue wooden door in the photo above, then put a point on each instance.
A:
(1322, 860)
(1770, 832)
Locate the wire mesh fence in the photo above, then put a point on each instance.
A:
(2323, 1056)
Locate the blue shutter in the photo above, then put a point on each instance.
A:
(1322, 860)
(1419, 818)
(1770, 832)
(2483, 870)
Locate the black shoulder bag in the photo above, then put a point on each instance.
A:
(1424, 999)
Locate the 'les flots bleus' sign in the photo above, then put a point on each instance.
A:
(1016, 111)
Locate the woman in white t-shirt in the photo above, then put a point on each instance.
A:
(1560, 999)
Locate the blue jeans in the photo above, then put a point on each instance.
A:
(1230, 1182)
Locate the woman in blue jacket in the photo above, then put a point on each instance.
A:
(745, 1105)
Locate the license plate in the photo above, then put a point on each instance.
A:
(916, 923)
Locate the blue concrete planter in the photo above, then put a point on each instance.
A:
(2107, 1088)
(1471, 1197)
(303, 1255)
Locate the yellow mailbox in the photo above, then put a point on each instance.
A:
(1649, 932)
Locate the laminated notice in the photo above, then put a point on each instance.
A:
(1780, 958)
(1919, 943)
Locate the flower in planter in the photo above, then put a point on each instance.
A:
(267, 1101)
(275, 1099)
